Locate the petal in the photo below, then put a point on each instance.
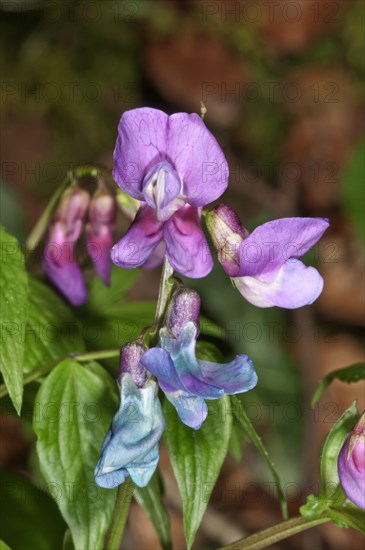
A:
(68, 278)
(270, 245)
(187, 248)
(295, 286)
(352, 480)
(157, 257)
(160, 364)
(238, 376)
(139, 242)
(162, 190)
(197, 157)
(133, 437)
(191, 409)
(141, 143)
(99, 246)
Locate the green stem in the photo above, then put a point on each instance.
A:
(120, 514)
(164, 292)
(269, 536)
(45, 369)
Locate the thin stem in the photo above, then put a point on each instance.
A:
(269, 536)
(164, 291)
(45, 369)
(120, 514)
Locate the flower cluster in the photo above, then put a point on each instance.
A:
(131, 445)
(172, 167)
(60, 262)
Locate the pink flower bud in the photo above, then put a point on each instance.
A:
(351, 464)
(184, 307)
(102, 214)
(130, 356)
(227, 234)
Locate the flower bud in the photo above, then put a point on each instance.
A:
(227, 234)
(130, 356)
(102, 214)
(59, 259)
(184, 307)
(351, 464)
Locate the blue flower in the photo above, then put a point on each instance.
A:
(188, 381)
(131, 444)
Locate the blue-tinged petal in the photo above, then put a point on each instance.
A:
(191, 409)
(160, 364)
(133, 437)
(238, 376)
(182, 352)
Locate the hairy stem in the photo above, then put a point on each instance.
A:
(269, 536)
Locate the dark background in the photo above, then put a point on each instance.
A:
(283, 86)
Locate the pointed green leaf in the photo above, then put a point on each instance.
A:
(52, 331)
(4, 546)
(354, 373)
(29, 517)
(197, 457)
(150, 498)
(73, 410)
(253, 436)
(13, 315)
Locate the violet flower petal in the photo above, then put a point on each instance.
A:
(237, 376)
(67, 278)
(197, 157)
(141, 143)
(187, 248)
(270, 245)
(294, 285)
(351, 472)
(143, 236)
(192, 409)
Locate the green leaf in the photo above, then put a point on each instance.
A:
(347, 374)
(4, 546)
(30, 518)
(13, 314)
(196, 458)
(150, 498)
(73, 411)
(253, 436)
(332, 447)
(52, 332)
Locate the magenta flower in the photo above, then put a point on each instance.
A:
(264, 265)
(174, 166)
(351, 465)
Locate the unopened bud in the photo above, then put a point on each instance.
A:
(184, 307)
(130, 356)
(227, 234)
(351, 464)
(102, 214)
(72, 211)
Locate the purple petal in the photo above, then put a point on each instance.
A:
(198, 158)
(160, 364)
(351, 471)
(187, 248)
(139, 242)
(162, 190)
(157, 257)
(191, 409)
(68, 278)
(238, 376)
(295, 285)
(268, 247)
(99, 246)
(141, 143)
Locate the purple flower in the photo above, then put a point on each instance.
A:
(102, 214)
(264, 265)
(351, 465)
(59, 260)
(186, 380)
(174, 166)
